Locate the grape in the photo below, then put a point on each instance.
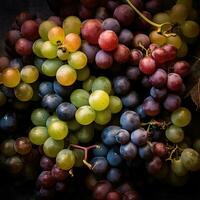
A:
(12, 36)
(103, 117)
(61, 187)
(147, 65)
(121, 85)
(29, 74)
(10, 77)
(174, 82)
(145, 152)
(14, 164)
(77, 60)
(72, 42)
(190, 29)
(122, 136)
(44, 28)
(58, 130)
(181, 117)
(196, 145)
(121, 54)
(66, 75)
(171, 51)
(23, 47)
(128, 151)
(131, 100)
(151, 107)
(58, 174)
(190, 159)
(46, 163)
(182, 68)
(113, 175)
(85, 134)
(56, 20)
(183, 50)
(72, 24)
(153, 6)
(175, 41)
(126, 37)
(45, 88)
(178, 168)
(124, 14)
(174, 134)
(102, 188)
(46, 179)
(7, 147)
(66, 111)
(22, 145)
(157, 38)
(79, 97)
(135, 57)
(3, 99)
(102, 83)
(101, 150)
(177, 180)
(179, 13)
(38, 135)
(79, 156)
(159, 78)
(39, 117)
(51, 147)
(85, 115)
(111, 24)
(115, 104)
(100, 165)
(65, 159)
(62, 54)
(159, 55)
(104, 60)
(29, 30)
(139, 137)
(159, 94)
(49, 50)
(85, 13)
(22, 17)
(73, 125)
(46, 193)
(24, 92)
(91, 30)
(172, 102)
(161, 17)
(113, 158)
(141, 39)
(63, 91)
(56, 35)
(37, 46)
(160, 149)
(154, 166)
(50, 119)
(50, 66)
(8, 122)
(99, 100)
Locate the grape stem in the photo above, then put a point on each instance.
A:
(162, 124)
(86, 150)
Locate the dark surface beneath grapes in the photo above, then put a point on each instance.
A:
(12, 189)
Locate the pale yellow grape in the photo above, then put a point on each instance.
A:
(190, 29)
(175, 40)
(161, 18)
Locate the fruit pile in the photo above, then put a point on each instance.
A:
(100, 87)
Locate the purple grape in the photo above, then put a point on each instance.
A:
(133, 73)
(100, 165)
(46, 163)
(158, 94)
(111, 24)
(139, 137)
(142, 39)
(172, 102)
(123, 136)
(154, 166)
(121, 85)
(126, 37)
(145, 152)
(135, 57)
(159, 78)
(103, 59)
(113, 158)
(128, 151)
(114, 175)
(131, 100)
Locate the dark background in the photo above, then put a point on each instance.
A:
(11, 190)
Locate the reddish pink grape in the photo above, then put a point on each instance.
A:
(142, 39)
(22, 17)
(171, 52)
(147, 65)
(160, 149)
(159, 55)
(159, 78)
(174, 82)
(131, 195)
(29, 30)
(113, 195)
(182, 68)
(91, 30)
(121, 54)
(153, 46)
(23, 47)
(151, 107)
(108, 40)
(155, 165)
(172, 102)
(138, 4)
(59, 174)
(135, 56)
(104, 60)
(158, 94)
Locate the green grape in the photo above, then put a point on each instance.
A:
(10, 77)
(175, 40)
(179, 13)
(190, 29)
(39, 117)
(177, 180)
(102, 83)
(79, 156)
(157, 38)
(66, 75)
(77, 60)
(7, 148)
(187, 3)
(161, 18)
(85, 115)
(24, 92)
(73, 125)
(56, 35)
(174, 134)
(83, 74)
(37, 45)
(178, 168)
(38, 135)
(29, 74)
(62, 54)
(44, 28)
(72, 24)
(115, 104)
(50, 67)
(51, 119)
(85, 134)
(49, 50)
(73, 139)
(65, 159)
(190, 159)
(87, 84)
(51, 147)
(79, 97)
(196, 145)
(181, 117)
(182, 52)
(99, 100)
(3, 99)
(103, 117)
(58, 130)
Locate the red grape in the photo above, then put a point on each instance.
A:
(147, 65)
(159, 78)
(159, 55)
(22, 17)
(160, 149)
(142, 39)
(121, 54)
(182, 68)
(151, 107)
(46, 180)
(12, 37)
(171, 52)
(113, 196)
(155, 165)
(22, 145)
(23, 47)
(135, 56)
(29, 30)
(174, 82)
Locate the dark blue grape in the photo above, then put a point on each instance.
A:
(114, 175)
(66, 111)
(51, 101)
(121, 85)
(45, 88)
(145, 152)
(63, 91)
(123, 136)
(140, 111)
(128, 151)
(8, 122)
(9, 92)
(108, 135)
(113, 158)
(130, 120)
(101, 150)
(99, 165)
(131, 100)
(139, 137)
